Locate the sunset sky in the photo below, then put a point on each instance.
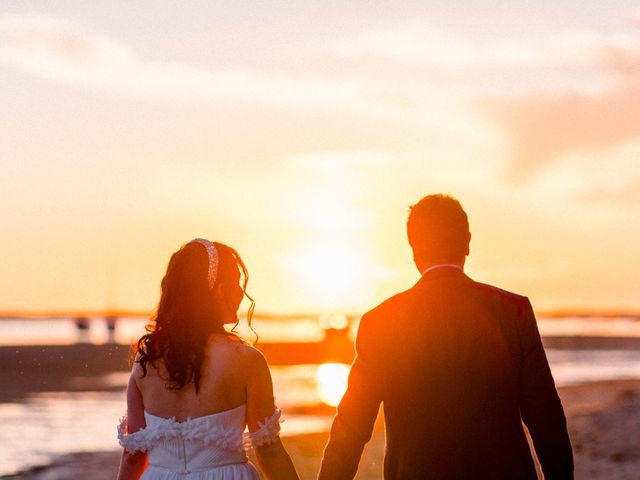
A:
(300, 133)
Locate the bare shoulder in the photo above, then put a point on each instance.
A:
(253, 364)
(138, 374)
(136, 370)
(236, 352)
(251, 356)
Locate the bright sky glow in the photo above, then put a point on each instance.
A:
(332, 382)
(300, 134)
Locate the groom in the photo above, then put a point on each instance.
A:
(458, 366)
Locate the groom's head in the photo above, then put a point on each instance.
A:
(438, 231)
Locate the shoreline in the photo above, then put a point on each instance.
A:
(22, 366)
(603, 419)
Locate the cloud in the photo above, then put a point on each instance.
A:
(542, 129)
(59, 50)
(423, 43)
(562, 62)
(551, 95)
(596, 106)
(627, 194)
(66, 52)
(598, 177)
(63, 51)
(338, 160)
(614, 178)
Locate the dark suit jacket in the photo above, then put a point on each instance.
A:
(457, 365)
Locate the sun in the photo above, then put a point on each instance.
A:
(330, 263)
(329, 275)
(332, 382)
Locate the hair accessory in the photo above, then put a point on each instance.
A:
(212, 253)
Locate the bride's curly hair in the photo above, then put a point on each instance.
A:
(188, 313)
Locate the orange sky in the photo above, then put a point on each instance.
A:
(301, 137)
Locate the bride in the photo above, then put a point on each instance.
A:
(195, 387)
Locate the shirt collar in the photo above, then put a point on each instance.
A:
(442, 265)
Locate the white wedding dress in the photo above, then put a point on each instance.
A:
(212, 447)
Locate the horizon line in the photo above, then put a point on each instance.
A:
(133, 313)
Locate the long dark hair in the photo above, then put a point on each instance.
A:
(188, 313)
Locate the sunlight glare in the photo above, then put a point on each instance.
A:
(332, 382)
(329, 275)
(336, 321)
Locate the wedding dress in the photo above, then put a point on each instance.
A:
(212, 447)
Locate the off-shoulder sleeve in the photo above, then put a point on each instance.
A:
(269, 430)
(132, 442)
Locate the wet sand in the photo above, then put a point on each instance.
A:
(603, 418)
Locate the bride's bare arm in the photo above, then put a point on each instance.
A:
(273, 459)
(132, 465)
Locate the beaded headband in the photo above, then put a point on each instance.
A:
(212, 253)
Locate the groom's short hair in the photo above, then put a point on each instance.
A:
(438, 227)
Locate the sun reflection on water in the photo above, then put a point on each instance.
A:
(332, 382)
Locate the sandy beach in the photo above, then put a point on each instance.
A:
(603, 418)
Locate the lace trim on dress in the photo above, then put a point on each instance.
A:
(130, 442)
(269, 430)
(170, 429)
(193, 429)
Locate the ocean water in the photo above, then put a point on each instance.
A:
(20, 331)
(47, 425)
(50, 424)
(63, 331)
